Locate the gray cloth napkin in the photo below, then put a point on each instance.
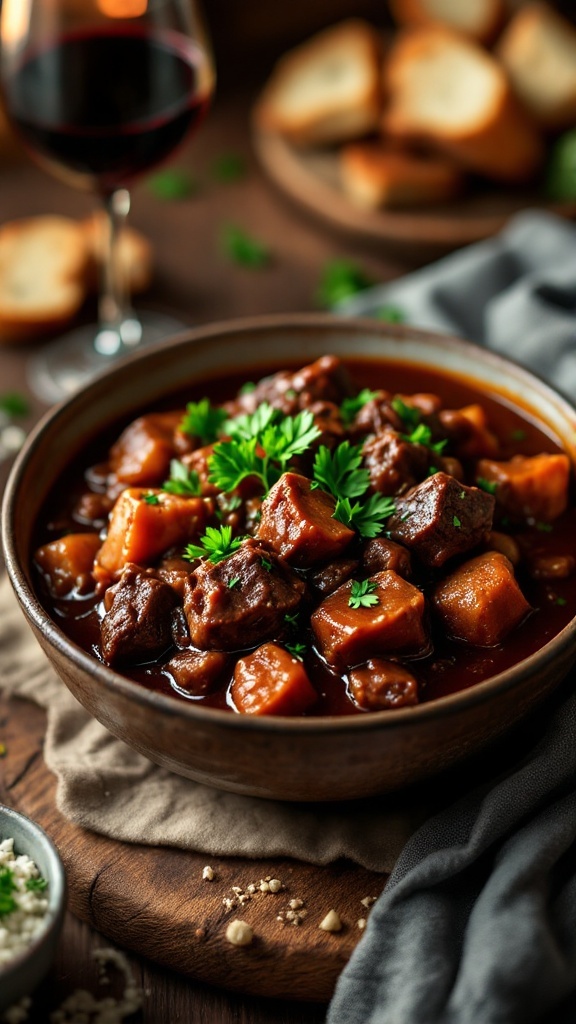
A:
(477, 924)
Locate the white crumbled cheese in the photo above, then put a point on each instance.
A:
(264, 886)
(296, 904)
(331, 923)
(84, 1006)
(20, 926)
(274, 885)
(361, 923)
(368, 901)
(239, 933)
(208, 873)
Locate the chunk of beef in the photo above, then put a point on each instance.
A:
(552, 567)
(481, 602)
(325, 380)
(469, 431)
(382, 686)
(197, 672)
(348, 636)
(242, 600)
(270, 681)
(298, 523)
(140, 531)
(441, 518)
(380, 553)
(394, 464)
(66, 564)
(380, 413)
(137, 624)
(141, 455)
(334, 574)
(530, 487)
(93, 509)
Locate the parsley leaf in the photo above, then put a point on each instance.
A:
(423, 435)
(36, 884)
(244, 250)
(339, 281)
(390, 314)
(14, 404)
(339, 471)
(215, 545)
(203, 420)
(150, 498)
(297, 650)
(172, 183)
(409, 415)
(7, 887)
(350, 407)
(233, 582)
(182, 480)
(228, 167)
(490, 486)
(457, 522)
(366, 517)
(362, 594)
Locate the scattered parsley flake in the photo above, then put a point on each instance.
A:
(182, 480)
(297, 650)
(432, 470)
(36, 884)
(457, 522)
(389, 314)
(544, 527)
(362, 594)
(229, 167)
(7, 887)
(244, 250)
(150, 498)
(291, 620)
(350, 407)
(518, 435)
(266, 564)
(487, 485)
(172, 183)
(247, 388)
(233, 582)
(340, 279)
(409, 415)
(203, 420)
(215, 545)
(423, 435)
(561, 601)
(14, 404)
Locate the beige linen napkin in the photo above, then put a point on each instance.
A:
(105, 786)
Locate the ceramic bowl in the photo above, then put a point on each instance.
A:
(314, 759)
(24, 972)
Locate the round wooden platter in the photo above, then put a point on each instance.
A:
(155, 902)
(310, 177)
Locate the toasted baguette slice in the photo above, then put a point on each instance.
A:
(538, 50)
(479, 19)
(135, 254)
(373, 175)
(43, 264)
(446, 90)
(326, 90)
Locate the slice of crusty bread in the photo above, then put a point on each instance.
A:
(43, 264)
(479, 19)
(373, 175)
(135, 254)
(538, 50)
(448, 91)
(326, 90)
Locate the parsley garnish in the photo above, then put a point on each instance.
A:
(266, 564)
(233, 582)
(297, 650)
(182, 480)
(339, 281)
(36, 884)
(487, 485)
(150, 498)
(350, 407)
(423, 435)
(366, 517)
(247, 388)
(172, 183)
(544, 527)
(362, 594)
(14, 404)
(561, 601)
(291, 620)
(262, 445)
(244, 250)
(203, 420)
(229, 167)
(390, 314)
(409, 415)
(215, 545)
(339, 471)
(7, 887)
(457, 522)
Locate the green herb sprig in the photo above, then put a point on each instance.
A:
(203, 420)
(7, 888)
(183, 481)
(350, 407)
(362, 594)
(340, 473)
(366, 517)
(216, 544)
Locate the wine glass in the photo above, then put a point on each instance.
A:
(100, 91)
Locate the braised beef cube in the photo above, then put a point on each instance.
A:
(179, 627)
(380, 554)
(271, 681)
(382, 685)
(394, 464)
(198, 672)
(469, 431)
(375, 416)
(334, 574)
(197, 462)
(531, 487)
(242, 600)
(66, 564)
(329, 422)
(93, 509)
(325, 380)
(384, 410)
(137, 626)
(142, 453)
(298, 522)
(393, 625)
(441, 518)
(481, 602)
(552, 567)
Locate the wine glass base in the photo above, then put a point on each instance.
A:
(65, 365)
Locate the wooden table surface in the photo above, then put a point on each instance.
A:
(195, 281)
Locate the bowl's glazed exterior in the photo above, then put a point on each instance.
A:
(289, 759)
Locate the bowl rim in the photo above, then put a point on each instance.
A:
(109, 679)
(56, 890)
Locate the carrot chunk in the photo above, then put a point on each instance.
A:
(67, 563)
(142, 453)
(270, 681)
(533, 487)
(481, 602)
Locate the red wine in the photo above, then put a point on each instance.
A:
(102, 107)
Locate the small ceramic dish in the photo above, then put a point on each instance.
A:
(20, 975)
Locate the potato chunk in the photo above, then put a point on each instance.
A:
(481, 602)
(67, 563)
(349, 636)
(142, 453)
(532, 487)
(270, 681)
(298, 523)
(139, 531)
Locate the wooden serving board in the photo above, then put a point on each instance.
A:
(155, 902)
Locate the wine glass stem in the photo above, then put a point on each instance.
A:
(119, 328)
